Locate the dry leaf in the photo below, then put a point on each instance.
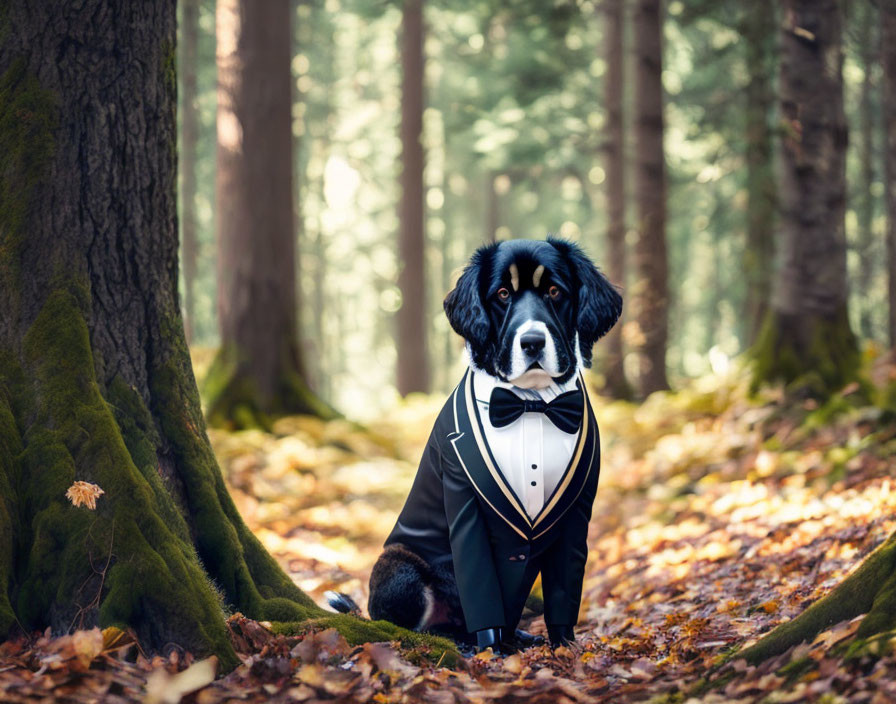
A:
(164, 688)
(84, 494)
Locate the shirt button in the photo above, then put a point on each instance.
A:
(534, 466)
(521, 557)
(533, 483)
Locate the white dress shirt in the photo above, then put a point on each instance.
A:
(531, 453)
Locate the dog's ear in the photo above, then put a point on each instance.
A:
(599, 303)
(465, 309)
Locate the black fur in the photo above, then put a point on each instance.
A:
(342, 602)
(599, 304)
(595, 303)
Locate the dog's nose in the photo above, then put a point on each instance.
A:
(532, 342)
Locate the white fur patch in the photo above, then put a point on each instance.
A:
(430, 600)
(519, 364)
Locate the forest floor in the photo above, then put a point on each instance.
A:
(718, 516)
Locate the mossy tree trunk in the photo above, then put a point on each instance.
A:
(412, 373)
(651, 260)
(258, 372)
(757, 28)
(614, 153)
(189, 135)
(806, 340)
(888, 79)
(870, 590)
(95, 378)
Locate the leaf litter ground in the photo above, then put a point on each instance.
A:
(717, 517)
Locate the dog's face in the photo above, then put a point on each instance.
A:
(531, 310)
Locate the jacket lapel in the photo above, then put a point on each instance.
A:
(576, 475)
(475, 458)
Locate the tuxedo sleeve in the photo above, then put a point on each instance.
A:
(563, 568)
(471, 551)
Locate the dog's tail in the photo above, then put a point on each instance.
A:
(343, 603)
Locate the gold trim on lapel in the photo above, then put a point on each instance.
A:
(472, 412)
(576, 458)
(458, 436)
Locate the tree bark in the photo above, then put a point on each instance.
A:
(758, 31)
(865, 198)
(651, 261)
(888, 62)
(189, 139)
(413, 361)
(258, 372)
(806, 340)
(492, 207)
(95, 377)
(614, 156)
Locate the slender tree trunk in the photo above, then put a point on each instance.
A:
(651, 261)
(614, 151)
(258, 371)
(888, 61)
(806, 338)
(758, 31)
(189, 138)
(413, 361)
(492, 209)
(865, 198)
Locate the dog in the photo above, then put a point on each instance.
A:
(506, 483)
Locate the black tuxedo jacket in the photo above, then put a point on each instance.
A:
(461, 510)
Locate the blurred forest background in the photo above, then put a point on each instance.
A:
(533, 119)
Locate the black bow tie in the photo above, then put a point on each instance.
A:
(565, 411)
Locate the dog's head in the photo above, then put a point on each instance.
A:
(530, 310)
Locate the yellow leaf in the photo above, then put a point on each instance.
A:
(514, 664)
(485, 655)
(770, 607)
(84, 494)
(163, 688)
(115, 638)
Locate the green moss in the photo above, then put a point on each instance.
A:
(248, 575)
(125, 563)
(10, 447)
(28, 118)
(870, 590)
(357, 631)
(812, 355)
(234, 402)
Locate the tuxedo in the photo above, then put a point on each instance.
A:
(531, 453)
(462, 513)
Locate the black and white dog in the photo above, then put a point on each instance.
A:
(506, 483)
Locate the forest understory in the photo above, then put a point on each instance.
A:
(718, 516)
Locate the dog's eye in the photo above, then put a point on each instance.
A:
(503, 294)
(554, 292)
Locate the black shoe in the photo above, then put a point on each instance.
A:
(523, 640)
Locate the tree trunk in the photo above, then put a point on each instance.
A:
(651, 262)
(614, 150)
(258, 371)
(806, 340)
(865, 197)
(413, 361)
(189, 119)
(888, 61)
(758, 31)
(492, 208)
(95, 377)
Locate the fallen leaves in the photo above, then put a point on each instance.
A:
(717, 518)
(84, 494)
